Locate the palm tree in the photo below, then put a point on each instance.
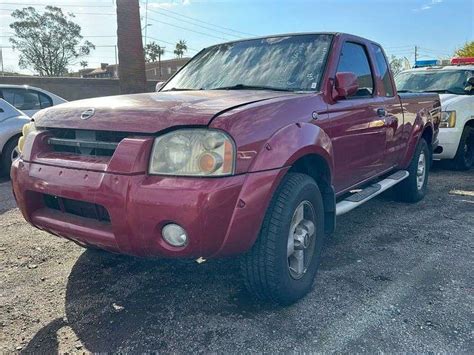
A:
(153, 51)
(181, 47)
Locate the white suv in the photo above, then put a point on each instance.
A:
(455, 84)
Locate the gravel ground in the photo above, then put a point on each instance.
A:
(394, 278)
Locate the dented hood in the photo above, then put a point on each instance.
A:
(148, 113)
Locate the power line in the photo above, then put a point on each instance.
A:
(160, 40)
(55, 5)
(187, 29)
(207, 23)
(194, 24)
(77, 13)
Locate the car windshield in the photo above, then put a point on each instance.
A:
(442, 81)
(291, 63)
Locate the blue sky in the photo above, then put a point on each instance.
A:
(438, 27)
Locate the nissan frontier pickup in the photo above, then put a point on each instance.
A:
(252, 149)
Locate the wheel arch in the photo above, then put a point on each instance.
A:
(4, 143)
(318, 168)
(469, 123)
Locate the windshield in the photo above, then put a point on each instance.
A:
(442, 81)
(293, 63)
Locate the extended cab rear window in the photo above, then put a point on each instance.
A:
(383, 69)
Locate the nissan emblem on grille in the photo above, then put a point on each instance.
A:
(87, 114)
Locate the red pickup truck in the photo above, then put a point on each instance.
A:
(253, 148)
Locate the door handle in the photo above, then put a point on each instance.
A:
(381, 112)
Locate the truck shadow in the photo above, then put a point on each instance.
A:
(113, 300)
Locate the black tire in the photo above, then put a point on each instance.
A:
(266, 267)
(464, 158)
(409, 190)
(8, 150)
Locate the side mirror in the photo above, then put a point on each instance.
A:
(159, 85)
(346, 85)
(470, 81)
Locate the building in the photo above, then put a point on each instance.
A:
(164, 70)
(157, 71)
(105, 71)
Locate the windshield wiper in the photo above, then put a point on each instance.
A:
(443, 91)
(250, 87)
(180, 89)
(405, 91)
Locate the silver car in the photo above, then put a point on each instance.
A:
(29, 99)
(12, 121)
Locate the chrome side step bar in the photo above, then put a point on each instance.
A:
(369, 192)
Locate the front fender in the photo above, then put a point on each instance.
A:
(292, 142)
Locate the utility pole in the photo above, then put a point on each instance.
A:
(1, 60)
(159, 58)
(146, 20)
(130, 48)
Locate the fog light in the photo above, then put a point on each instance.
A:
(174, 235)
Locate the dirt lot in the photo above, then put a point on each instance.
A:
(395, 277)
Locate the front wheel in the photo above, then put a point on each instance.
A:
(283, 262)
(10, 153)
(415, 186)
(464, 159)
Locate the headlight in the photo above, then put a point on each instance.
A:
(27, 129)
(193, 152)
(448, 119)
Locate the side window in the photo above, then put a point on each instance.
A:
(8, 96)
(383, 69)
(45, 100)
(354, 59)
(22, 99)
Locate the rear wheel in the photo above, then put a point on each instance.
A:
(283, 262)
(415, 186)
(464, 159)
(9, 154)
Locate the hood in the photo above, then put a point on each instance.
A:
(149, 113)
(454, 102)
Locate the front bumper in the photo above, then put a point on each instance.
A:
(222, 216)
(448, 143)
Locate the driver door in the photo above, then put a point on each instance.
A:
(355, 124)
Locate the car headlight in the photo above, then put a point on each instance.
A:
(28, 128)
(193, 152)
(448, 119)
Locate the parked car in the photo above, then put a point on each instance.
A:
(29, 99)
(253, 148)
(455, 84)
(11, 123)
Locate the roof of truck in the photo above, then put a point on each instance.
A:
(294, 34)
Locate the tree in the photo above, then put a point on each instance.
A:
(466, 51)
(153, 51)
(396, 65)
(130, 48)
(84, 64)
(48, 42)
(181, 47)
